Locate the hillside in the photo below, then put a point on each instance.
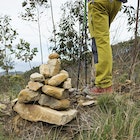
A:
(11, 73)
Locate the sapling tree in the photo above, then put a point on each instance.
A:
(68, 37)
(7, 37)
(24, 52)
(133, 22)
(8, 47)
(33, 12)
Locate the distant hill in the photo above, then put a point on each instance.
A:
(11, 73)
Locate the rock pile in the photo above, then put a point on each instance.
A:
(46, 97)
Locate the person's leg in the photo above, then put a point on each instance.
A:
(113, 10)
(100, 27)
(99, 22)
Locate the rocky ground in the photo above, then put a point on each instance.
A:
(14, 125)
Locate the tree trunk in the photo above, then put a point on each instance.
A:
(136, 48)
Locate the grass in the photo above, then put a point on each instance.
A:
(2, 137)
(116, 119)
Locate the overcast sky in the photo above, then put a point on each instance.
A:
(29, 32)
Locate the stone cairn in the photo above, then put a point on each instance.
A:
(46, 97)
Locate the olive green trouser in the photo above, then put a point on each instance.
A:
(100, 15)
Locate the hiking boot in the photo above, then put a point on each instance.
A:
(95, 91)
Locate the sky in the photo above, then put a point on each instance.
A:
(29, 32)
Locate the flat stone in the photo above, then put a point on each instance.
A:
(55, 92)
(54, 56)
(88, 102)
(44, 70)
(67, 84)
(71, 90)
(64, 72)
(37, 77)
(54, 66)
(57, 79)
(53, 103)
(37, 113)
(34, 85)
(51, 68)
(27, 95)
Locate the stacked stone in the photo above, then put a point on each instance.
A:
(46, 97)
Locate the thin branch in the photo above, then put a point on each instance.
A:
(54, 30)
